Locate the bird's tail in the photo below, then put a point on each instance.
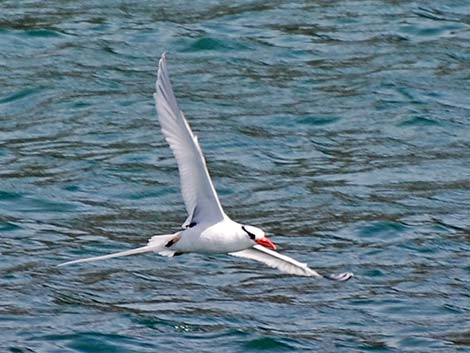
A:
(156, 244)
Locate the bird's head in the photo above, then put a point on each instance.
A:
(257, 235)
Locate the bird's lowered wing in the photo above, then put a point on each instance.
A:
(199, 193)
(285, 263)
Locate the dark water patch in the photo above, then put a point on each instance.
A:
(23, 93)
(459, 338)
(8, 226)
(419, 122)
(318, 120)
(443, 14)
(268, 344)
(44, 33)
(382, 230)
(7, 195)
(209, 43)
(92, 342)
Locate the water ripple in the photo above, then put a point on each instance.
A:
(340, 128)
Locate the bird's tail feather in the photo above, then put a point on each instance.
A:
(156, 244)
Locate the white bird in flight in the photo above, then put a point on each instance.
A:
(207, 229)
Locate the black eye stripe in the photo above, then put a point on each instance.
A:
(251, 235)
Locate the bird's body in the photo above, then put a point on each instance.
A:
(207, 229)
(225, 236)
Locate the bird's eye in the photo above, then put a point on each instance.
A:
(251, 235)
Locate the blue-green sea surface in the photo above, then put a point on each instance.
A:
(342, 128)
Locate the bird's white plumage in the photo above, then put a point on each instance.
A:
(197, 189)
(276, 260)
(155, 244)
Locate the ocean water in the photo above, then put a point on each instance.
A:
(342, 128)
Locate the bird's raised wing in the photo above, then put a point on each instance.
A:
(199, 193)
(285, 263)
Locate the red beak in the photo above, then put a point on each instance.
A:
(266, 243)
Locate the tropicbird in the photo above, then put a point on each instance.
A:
(207, 228)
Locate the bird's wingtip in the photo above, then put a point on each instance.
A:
(72, 262)
(162, 60)
(64, 264)
(341, 277)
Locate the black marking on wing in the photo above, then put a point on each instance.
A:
(171, 242)
(195, 215)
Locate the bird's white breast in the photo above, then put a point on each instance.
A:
(222, 237)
